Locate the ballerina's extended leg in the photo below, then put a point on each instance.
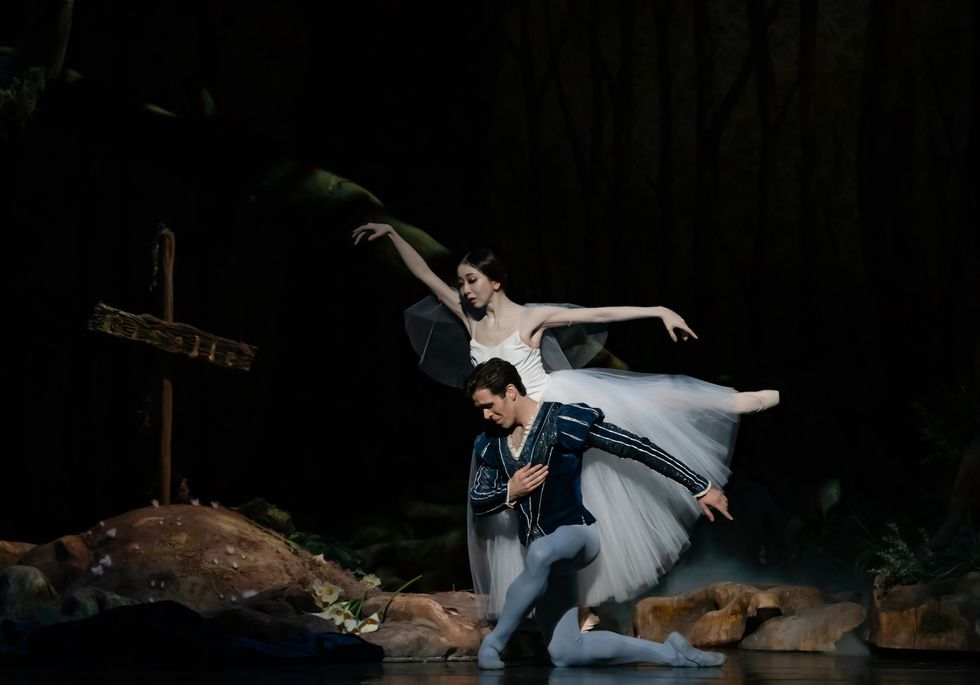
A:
(754, 402)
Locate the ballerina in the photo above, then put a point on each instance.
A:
(644, 520)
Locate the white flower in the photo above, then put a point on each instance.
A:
(234, 564)
(105, 561)
(249, 593)
(319, 558)
(111, 532)
(229, 550)
(334, 613)
(102, 524)
(195, 502)
(215, 504)
(153, 583)
(155, 503)
(368, 625)
(97, 570)
(215, 560)
(371, 580)
(325, 593)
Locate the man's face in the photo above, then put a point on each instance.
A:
(501, 409)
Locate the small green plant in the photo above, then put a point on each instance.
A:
(894, 560)
(898, 563)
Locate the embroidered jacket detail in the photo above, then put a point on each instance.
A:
(559, 437)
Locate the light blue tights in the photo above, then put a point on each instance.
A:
(549, 583)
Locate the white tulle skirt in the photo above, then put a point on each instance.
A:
(643, 518)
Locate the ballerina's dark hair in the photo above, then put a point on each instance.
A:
(487, 263)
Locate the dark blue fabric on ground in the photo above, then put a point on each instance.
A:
(169, 635)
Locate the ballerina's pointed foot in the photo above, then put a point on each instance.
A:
(693, 655)
(755, 402)
(489, 657)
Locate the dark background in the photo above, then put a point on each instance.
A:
(797, 179)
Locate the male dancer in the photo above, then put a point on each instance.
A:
(533, 464)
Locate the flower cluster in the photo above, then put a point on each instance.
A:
(346, 614)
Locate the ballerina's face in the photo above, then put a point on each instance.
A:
(501, 409)
(474, 285)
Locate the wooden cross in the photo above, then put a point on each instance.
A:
(175, 338)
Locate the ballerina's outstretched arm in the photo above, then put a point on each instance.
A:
(416, 264)
(539, 318)
(536, 319)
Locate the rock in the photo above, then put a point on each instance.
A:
(202, 557)
(708, 617)
(89, 601)
(11, 552)
(272, 616)
(27, 595)
(780, 617)
(63, 561)
(787, 599)
(936, 616)
(814, 629)
(283, 602)
(436, 626)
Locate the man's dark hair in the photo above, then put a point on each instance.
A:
(494, 375)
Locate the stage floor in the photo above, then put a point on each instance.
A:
(742, 667)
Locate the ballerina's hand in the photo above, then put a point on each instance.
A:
(372, 231)
(672, 320)
(714, 498)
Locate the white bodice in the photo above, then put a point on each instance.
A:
(525, 358)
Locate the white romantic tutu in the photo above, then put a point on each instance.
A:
(642, 517)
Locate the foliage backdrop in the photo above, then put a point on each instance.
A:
(798, 179)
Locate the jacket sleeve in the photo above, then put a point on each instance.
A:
(619, 441)
(573, 422)
(488, 491)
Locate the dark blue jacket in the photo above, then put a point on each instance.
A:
(559, 435)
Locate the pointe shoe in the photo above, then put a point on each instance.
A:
(692, 654)
(489, 657)
(757, 401)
